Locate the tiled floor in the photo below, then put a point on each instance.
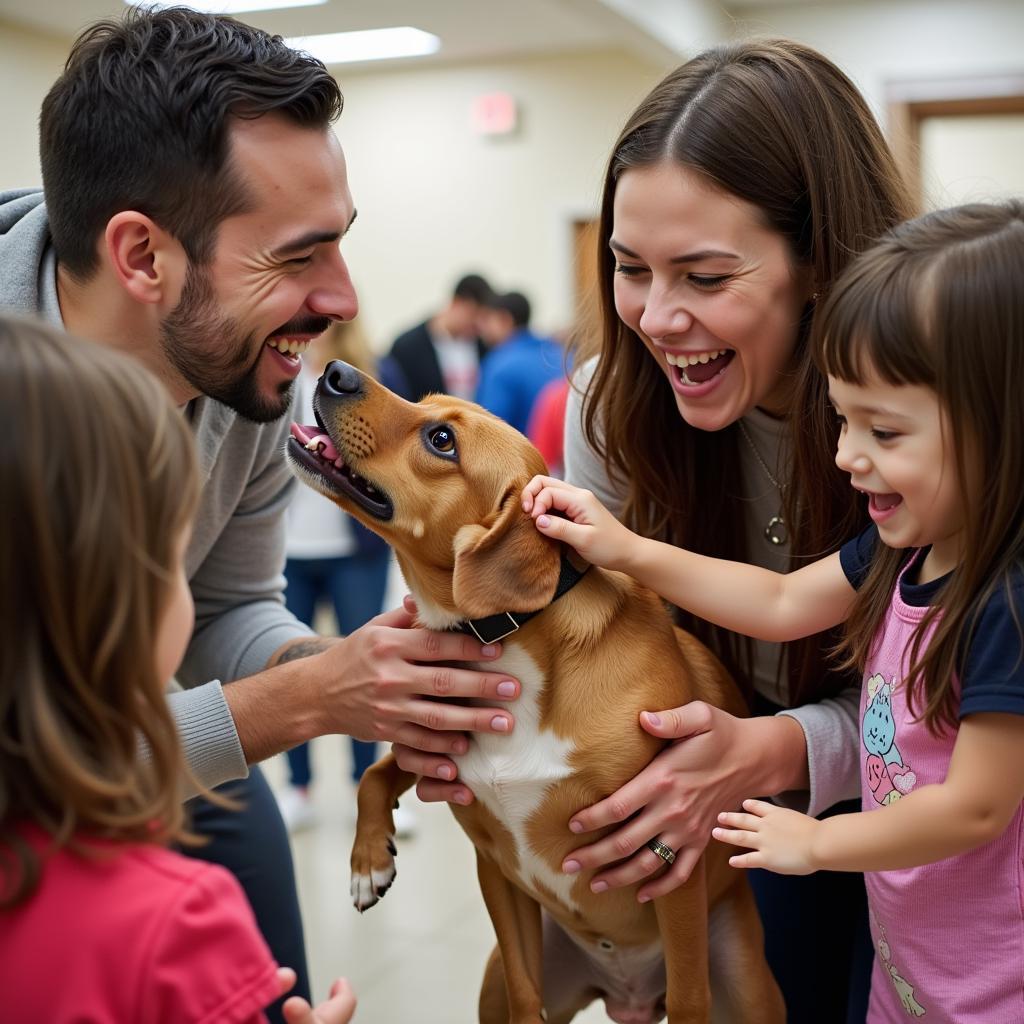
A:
(418, 956)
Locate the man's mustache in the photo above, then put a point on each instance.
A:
(303, 325)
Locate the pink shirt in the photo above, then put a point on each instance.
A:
(949, 937)
(142, 936)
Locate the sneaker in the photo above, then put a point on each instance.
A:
(296, 809)
(405, 821)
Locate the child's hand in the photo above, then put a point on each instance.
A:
(338, 1009)
(781, 839)
(593, 531)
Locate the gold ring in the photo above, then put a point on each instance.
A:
(666, 853)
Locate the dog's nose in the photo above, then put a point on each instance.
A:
(341, 380)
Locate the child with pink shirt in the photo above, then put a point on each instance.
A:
(922, 341)
(99, 921)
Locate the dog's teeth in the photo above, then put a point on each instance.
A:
(314, 445)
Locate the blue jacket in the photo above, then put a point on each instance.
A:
(513, 375)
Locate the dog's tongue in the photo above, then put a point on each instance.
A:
(313, 438)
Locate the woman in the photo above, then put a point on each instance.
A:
(737, 191)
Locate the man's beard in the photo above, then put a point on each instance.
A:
(215, 357)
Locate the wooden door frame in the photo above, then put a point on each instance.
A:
(910, 102)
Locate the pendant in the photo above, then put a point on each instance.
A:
(775, 532)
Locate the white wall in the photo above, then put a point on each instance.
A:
(972, 159)
(29, 64)
(435, 200)
(879, 41)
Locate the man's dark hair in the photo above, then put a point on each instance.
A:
(139, 121)
(474, 288)
(516, 304)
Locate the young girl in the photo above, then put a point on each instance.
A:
(98, 920)
(922, 341)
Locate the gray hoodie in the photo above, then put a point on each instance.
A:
(236, 556)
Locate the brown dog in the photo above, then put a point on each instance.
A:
(441, 482)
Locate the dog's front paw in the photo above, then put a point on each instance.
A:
(373, 869)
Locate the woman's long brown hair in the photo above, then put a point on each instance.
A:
(780, 126)
(939, 302)
(99, 484)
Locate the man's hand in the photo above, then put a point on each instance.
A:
(779, 839)
(386, 681)
(436, 784)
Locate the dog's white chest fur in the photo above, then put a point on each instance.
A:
(511, 774)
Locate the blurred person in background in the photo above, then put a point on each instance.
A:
(519, 362)
(443, 354)
(333, 558)
(546, 428)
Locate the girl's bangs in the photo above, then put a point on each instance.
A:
(871, 327)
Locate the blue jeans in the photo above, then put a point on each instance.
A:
(816, 935)
(355, 585)
(818, 943)
(253, 845)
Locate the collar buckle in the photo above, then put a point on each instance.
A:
(494, 639)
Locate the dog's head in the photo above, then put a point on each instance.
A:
(441, 482)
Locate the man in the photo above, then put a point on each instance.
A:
(195, 198)
(519, 363)
(444, 353)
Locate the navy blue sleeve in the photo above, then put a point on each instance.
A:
(392, 376)
(855, 556)
(993, 678)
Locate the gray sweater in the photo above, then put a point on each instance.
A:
(831, 727)
(236, 556)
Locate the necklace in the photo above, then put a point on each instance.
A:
(775, 532)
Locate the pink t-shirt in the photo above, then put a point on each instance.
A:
(949, 937)
(144, 936)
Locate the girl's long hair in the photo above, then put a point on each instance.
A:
(99, 484)
(780, 126)
(939, 302)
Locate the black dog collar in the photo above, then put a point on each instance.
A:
(492, 628)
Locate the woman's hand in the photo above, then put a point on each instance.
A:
(590, 528)
(779, 839)
(717, 760)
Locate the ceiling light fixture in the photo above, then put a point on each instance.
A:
(231, 6)
(372, 44)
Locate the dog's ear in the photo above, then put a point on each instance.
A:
(507, 566)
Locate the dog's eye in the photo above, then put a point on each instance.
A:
(442, 439)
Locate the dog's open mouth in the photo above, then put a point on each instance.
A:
(311, 448)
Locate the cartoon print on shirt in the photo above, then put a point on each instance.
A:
(903, 988)
(888, 777)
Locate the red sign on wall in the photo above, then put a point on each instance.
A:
(495, 113)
